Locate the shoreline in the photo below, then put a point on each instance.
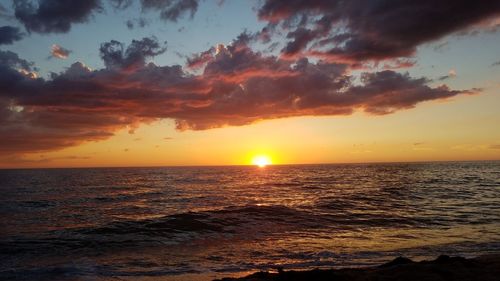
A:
(484, 268)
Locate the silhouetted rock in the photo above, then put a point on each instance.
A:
(444, 268)
(448, 259)
(397, 261)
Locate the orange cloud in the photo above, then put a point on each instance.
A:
(238, 86)
(59, 52)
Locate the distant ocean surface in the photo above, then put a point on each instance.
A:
(197, 223)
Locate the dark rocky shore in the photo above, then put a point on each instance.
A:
(485, 268)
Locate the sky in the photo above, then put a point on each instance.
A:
(197, 82)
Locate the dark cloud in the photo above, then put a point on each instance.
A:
(301, 37)
(10, 34)
(388, 91)
(140, 22)
(59, 52)
(200, 60)
(171, 10)
(11, 60)
(236, 87)
(129, 24)
(115, 56)
(53, 16)
(57, 16)
(371, 29)
(496, 63)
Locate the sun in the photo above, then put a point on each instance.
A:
(261, 161)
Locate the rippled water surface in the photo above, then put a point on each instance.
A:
(205, 222)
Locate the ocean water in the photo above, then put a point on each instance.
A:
(198, 223)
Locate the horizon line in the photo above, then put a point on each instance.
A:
(251, 165)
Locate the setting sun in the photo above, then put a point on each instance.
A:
(261, 161)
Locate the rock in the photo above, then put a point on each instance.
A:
(396, 261)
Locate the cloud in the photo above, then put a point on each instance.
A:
(451, 74)
(200, 60)
(59, 52)
(58, 16)
(120, 4)
(357, 30)
(11, 60)
(10, 34)
(171, 10)
(419, 146)
(21, 160)
(115, 56)
(439, 47)
(301, 37)
(140, 22)
(399, 63)
(53, 16)
(496, 63)
(237, 86)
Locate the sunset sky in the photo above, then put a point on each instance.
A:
(171, 82)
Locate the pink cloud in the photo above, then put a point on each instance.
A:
(237, 86)
(59, 52)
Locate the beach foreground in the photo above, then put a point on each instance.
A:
(443, 268)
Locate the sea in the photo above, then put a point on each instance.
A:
(201, 223)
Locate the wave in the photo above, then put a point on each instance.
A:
(214, 221)
(172, 229)
(240, 222)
